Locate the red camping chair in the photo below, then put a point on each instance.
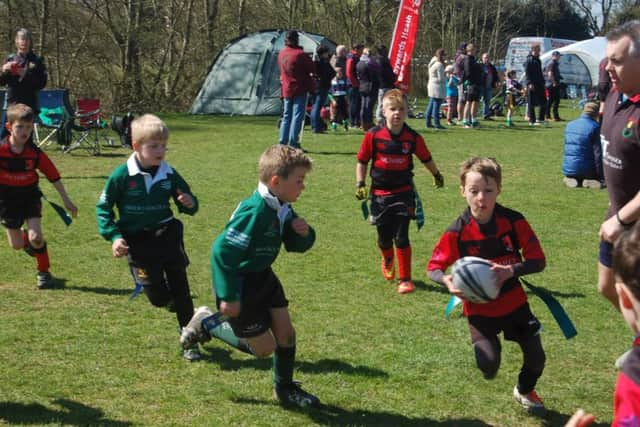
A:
(89, 127)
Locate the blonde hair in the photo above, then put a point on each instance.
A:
(148, 127)
(488, 167)
(280, 160)
(20, 113)
(394, 98)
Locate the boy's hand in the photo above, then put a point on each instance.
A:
(503, 272)
(185, 199)
(231, 309)
(300, 226)
(438, 180)
(448, 280)
(361, 192)
(119, 248)
(70, 207)
(580, 419)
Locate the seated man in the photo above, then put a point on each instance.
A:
(582, 161)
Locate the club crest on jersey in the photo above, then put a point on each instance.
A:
(473, 250)
(508, 244)
(165, 185)
(132, 185)
(406, 147)
(627, 131)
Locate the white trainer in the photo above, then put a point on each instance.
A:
(530, 401)
(194, 333)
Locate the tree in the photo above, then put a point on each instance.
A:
(595, 12)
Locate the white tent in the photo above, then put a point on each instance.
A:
(579, 61)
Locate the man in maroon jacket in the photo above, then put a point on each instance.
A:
(296, 69)
(620, 137)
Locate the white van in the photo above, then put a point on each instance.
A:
(520, 47)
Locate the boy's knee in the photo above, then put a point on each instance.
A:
(35, 239)
(487, 359)
(263, 351)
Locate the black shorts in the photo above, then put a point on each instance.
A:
(385, 208)
(259, 293)
(518, 326)
(473, 93)
(153, 249)
(606, 253)
(14, 211)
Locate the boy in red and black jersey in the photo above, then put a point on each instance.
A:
(19, 191)
(626, 398)
(504, 237)
(393, 197)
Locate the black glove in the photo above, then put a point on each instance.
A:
(438, 180)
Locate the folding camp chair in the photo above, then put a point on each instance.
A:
(53, 119)
(88, 130)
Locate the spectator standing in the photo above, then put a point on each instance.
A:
(620, 137)
(436, 88)
(582, 160)
(534, 80)
(368, 72)
(458, 71)
(553, 78)
(324, 75)
(604, 84)
(24, 74)
(452, 94)
(490, 82)
(354, 94)
(387, 78)
(472, 81)
(339, 59)
(296, 69)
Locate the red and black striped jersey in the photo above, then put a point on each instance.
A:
(507, 239)
(20, 170)
(392, 158)
(626, 400)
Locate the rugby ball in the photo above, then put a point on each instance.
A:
(474, 277)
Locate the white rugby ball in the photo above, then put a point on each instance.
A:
(474, 277)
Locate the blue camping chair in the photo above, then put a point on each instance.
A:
(55, 119)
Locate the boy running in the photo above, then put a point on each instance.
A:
(146, 232)
(20, 196)
(393, 195)
(504, 237)
(246, 288)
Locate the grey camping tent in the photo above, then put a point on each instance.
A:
(244, 78)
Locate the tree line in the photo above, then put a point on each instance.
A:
(153, 55)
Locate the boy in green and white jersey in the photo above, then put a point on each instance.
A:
(146, 232)
(247, 290)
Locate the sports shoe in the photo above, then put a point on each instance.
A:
(192, 354)
(44, 279)
(388, 268)
(570, 182)
(593, 183)
(620, 360)
(406, 287)
(334, 126)
(194, 333)
(530, 401)
(291, 395)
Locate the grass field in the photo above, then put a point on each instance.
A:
(83, 354)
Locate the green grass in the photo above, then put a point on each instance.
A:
(83, 354)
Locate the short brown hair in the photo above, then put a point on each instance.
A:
(488, 167)
(626, 259)
(20, 113)
(148, 127)
(280, 160)
(395, 97)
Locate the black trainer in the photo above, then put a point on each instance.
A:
(292, 394)
(44, 279)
